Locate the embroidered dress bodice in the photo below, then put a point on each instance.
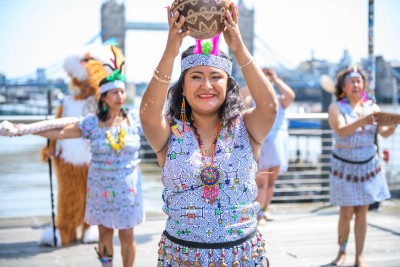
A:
(361, 142)
(228, 218)
(104, 156)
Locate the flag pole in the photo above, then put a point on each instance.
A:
(49, 109)
(371, 58)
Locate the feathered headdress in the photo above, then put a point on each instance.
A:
(116, 71)
(206, 53)
(101, 65)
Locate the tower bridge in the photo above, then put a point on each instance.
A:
(114, 25)
(304, 80)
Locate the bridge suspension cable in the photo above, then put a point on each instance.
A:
(281, 60)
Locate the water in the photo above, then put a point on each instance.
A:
(25, 179)
(22, 185)
(25, 182)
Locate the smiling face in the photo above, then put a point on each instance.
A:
(205, 89)
(353, 88)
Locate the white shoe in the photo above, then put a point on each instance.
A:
(47, 237)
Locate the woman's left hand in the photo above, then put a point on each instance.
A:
(231, 32)
(271, 74)
(8, 129)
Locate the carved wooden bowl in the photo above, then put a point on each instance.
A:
(204, 18)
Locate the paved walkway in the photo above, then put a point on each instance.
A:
(301, 235)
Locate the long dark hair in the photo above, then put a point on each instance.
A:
(102, 114)
(229, 110)
(340, 80)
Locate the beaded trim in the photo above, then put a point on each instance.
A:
(206, 60)
(170, 252)
(9, 129)
(369, 171)
(353, 74)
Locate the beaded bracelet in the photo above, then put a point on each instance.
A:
(158, 73)
(246, 64)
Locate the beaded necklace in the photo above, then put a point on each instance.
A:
(209, 175)
(117, 146)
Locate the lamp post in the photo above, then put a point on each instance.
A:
(371, 58)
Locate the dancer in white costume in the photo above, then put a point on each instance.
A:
(71, 157)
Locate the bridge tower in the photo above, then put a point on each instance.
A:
(113, 22)
(114, 25)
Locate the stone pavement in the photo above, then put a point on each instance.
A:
(301, 235)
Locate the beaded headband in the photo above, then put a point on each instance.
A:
(352, 72)
(207, 54)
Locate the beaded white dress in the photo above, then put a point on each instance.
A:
(114, 190)
(192, 218)
(356, 177)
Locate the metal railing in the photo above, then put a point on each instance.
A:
(310, 149)
(307, 178)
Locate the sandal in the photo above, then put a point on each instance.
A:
(106, 261)
(340, 259)
(361, 264)
(268, 217)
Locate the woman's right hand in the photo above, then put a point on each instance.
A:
(175, 34)
(231, 31)
(369, 119)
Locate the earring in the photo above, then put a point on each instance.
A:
(123, 108)
(364, 96)
(105, 107)
(183, 111)
(343, 98)
(183, 116)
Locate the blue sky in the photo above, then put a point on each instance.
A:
(38, 33)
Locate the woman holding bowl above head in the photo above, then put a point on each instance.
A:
(207, 146)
